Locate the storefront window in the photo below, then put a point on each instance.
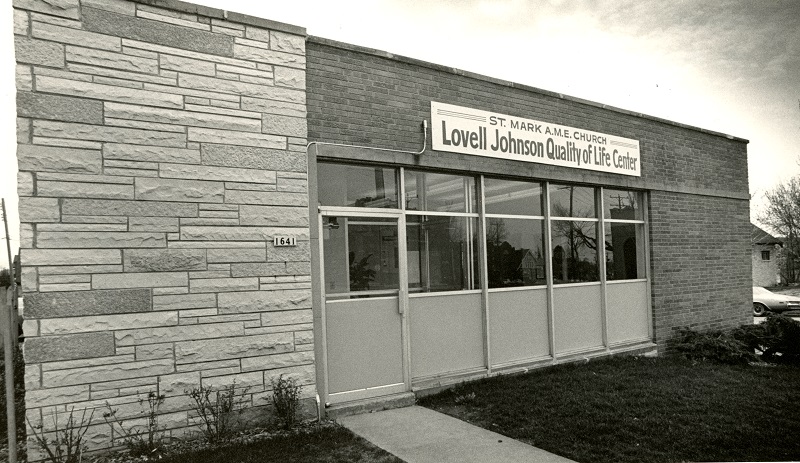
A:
(512, 198)
(572, 201)
(426, 191)
(622, 205)
(574, 251)
(356, 186)
(442, 253)
(624, 230)
(515, 252)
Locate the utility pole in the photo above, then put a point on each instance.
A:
(9, 347)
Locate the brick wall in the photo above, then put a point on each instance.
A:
(160, 150)
(699, 201)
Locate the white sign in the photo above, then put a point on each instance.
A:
(482, 133)
(284, 241)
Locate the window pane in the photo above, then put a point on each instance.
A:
(624, 253)
(427, 191)
(511, 197)
(515, 252)
(622, 204)
(360, 255)
(442, 253)
(572, 201)
(574, 251)
(356, 186)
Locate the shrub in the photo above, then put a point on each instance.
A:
(141, 441)
(777, 339)
(715, 346)
(286, 399)
(217, 409)
(67, 443)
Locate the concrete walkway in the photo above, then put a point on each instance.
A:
(419, 435)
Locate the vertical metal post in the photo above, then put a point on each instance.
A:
(8, 346)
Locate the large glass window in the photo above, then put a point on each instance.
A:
(514, 233)
(574, 234)
(426, 191)
(356, 186)
(442, 253)
(624, 234)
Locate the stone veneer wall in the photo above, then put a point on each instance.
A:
(160, 149)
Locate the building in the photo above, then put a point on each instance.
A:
(208, 197)
(766, 251)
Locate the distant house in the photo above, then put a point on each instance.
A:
(766, 249)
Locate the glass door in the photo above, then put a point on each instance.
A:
(363, 306)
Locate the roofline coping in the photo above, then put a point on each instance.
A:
(506, 83)
(186, 7)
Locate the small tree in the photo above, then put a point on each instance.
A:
(5, 278)
(782, 214)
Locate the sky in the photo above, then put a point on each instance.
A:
(731, 66)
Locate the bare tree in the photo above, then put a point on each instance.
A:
(782, 214)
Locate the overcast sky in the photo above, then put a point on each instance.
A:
(731, 66)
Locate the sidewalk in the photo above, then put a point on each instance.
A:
(419, 435)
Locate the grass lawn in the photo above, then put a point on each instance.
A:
(317, 444)
(636, 409)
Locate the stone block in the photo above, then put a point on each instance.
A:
(106, 22)
(107, 92)
(296, 185)
(252, 158)
(284, 125)
(271, 362)
(60, 108)
(258, 254)
(21, 23)
(229, 137)
(288, 77)
(39, 52)
(38, 210)
(150, 153)
(154, 224)
(256, 33)
(116, 240)
(189, 65)
(289, 317)
(26, 235)
(139, 280)
(69, 347)
(303, 374)
(32, 257)
(221, 285)
(74, 36)
(164, 260)
(55, 395)
(71, 325)
(282, 216)
(61, 8)
(263, 301)
(274, 107)
(65, 287)
(178, 333)
(266, 198)
(288, 43)
(203, 233)
(100, 207)
(188, 118)
(101, 133)
(84, 190)
(29, 279)
(184, 301)
(208, 350)
(179, 190)
(111, 60)
(216, 173)
(262, 55)
(79, 269)
(55, 159)
(24, 184)
(154, 352)
(23, 78)
(299, 253)
(265, 76)
(81, 303)
(280, 268)
(113, 372)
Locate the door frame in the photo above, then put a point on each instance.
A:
(402, 302)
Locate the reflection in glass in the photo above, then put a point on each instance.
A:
(512, 197)
(624, 257)
(356, 186)
(427, 191)
(574, 251)
(622, 204)
(515, 252)
(360, 254)
(442, 253)
(572, 201)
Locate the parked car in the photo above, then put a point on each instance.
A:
(766, 301)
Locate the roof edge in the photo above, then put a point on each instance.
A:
(507, 83)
